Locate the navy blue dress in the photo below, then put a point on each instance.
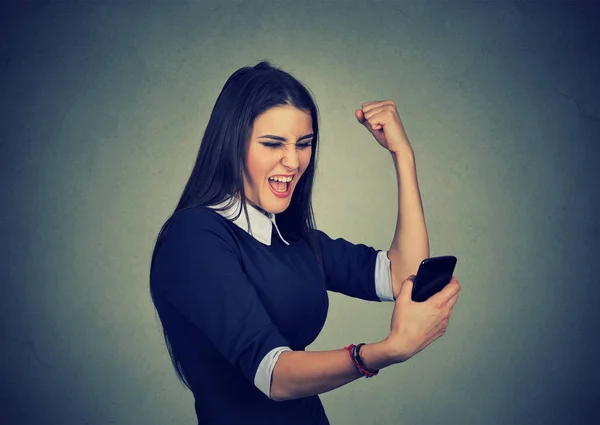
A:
(227, 301)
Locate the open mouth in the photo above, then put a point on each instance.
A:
(280, 185)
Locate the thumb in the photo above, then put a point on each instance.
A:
(360, 116)
(406, 289)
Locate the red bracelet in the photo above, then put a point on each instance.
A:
(354, 352)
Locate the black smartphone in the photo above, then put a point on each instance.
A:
(434, 273)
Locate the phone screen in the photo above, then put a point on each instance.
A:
(434, 273)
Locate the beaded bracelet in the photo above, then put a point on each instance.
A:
(354, 351)
(360, 362)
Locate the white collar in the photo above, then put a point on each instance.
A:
(261, 224)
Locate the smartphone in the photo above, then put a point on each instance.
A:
(434, 273)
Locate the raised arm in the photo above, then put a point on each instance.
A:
(410, 244)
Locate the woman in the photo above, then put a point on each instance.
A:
(239, 273)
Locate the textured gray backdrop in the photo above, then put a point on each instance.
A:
(103, 107)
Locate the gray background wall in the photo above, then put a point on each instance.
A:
(103, 107)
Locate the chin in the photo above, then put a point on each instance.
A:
(278, 208)
(276, 205)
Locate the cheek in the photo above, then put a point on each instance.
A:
(257, 166)
(304, 159)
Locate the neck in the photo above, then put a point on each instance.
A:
(258, 208)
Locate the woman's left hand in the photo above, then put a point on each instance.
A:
(382, 120)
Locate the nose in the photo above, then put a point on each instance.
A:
(290, 158)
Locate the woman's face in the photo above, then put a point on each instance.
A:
(280, 146)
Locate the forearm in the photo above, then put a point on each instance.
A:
(410, 244)
(306, 373)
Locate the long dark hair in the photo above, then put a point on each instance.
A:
(218, 171)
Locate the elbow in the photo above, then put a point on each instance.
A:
(277, 395)
(274, 393)
(278, 391)
(275, 398)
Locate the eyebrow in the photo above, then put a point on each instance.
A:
(283, 139)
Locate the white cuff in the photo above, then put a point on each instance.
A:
(264, 373)
(383, 277)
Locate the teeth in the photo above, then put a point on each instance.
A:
(281, 179)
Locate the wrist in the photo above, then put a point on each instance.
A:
(404, 154)
(396, 354)
(376, 356)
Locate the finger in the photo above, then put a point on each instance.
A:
(361, 119)
(360, 116)
(452, 301)
(451, 289)
(447, 292)
(370, 105)
(407, 287)
(375, 110)
(377, 120)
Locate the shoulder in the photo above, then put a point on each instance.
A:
(198, 225)
(316, 233)
(197, 217)
(321, 236)
(193, 234)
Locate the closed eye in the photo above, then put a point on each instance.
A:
(277, 145)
